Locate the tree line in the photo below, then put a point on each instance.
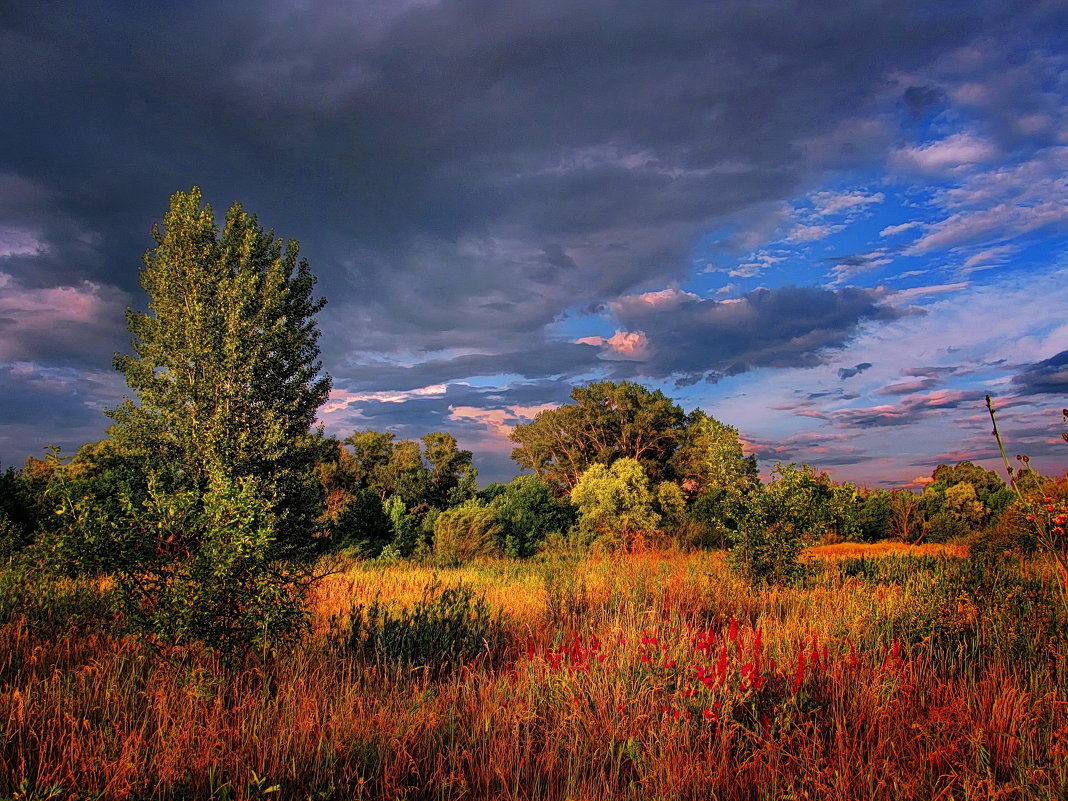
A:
(213, 498)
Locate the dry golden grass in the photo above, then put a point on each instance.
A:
(633, 676)
(859, 549)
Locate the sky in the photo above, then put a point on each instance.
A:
(834, 225)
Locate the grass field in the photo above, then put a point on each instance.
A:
(893, 673)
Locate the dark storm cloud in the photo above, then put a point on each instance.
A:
(785, 327)
(59, 326)
(460, 173)
(561, 127)
(1049, 376)
(61, 407)
(918, 99)
(561, 359)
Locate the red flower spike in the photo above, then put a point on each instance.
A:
(799, 676)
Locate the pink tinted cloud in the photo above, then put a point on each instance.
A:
(628, 345)
(57, 320)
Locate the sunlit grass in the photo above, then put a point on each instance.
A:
(889, 674)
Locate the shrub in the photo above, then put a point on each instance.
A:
(615, 503)
(527, 512)
(189, 572)
(791, 512)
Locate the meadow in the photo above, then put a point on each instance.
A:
(889, 672)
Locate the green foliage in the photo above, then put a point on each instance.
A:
(464, 532)
(404, 526)
(874, 515)
(607, 421)
(961, 500)
(224, 364)
(22, 509)
(190, 569)
(449, 627)
(527, 512)
(362, 524)
(670, 504)
(711, 457)
(206, 491)
(615, 504)
(433, 473)
(716, 513)
(793, 511)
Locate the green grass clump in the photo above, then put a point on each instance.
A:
(449, 627)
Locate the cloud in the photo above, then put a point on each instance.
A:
(621, 345)
(1048, 376)
(849, 372)
(52, 406)
(894, 230)
(60, 325)
(847, 267)
(1004, 203)
(909, 387)
(783, 327)
(953, 152)
(987, 258)
(836, 203)
(810, 233)
(902, 296)
(908, 412)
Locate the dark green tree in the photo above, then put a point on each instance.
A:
(792, 512)
(606, 422)
(528, 511)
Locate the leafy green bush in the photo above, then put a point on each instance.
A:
(615, 504)
(791, 512)
(190, 570)
(449, 627)
(527, 512)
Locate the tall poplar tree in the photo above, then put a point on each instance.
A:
(227, 380)
(225, 361)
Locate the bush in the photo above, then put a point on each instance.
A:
(527, 512)
(615, 504)
(189, 573)
(791, 512)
